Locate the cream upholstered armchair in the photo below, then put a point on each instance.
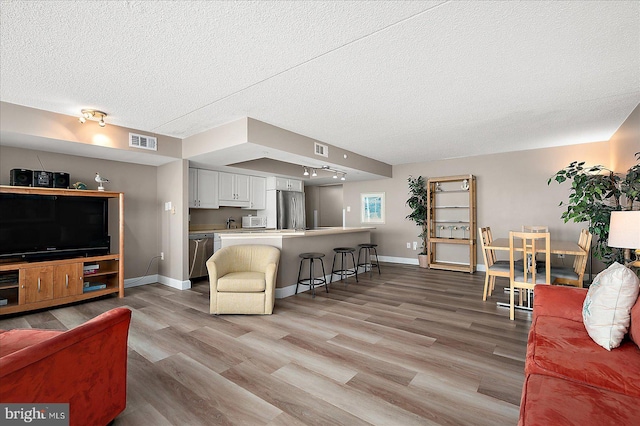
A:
(243, 279)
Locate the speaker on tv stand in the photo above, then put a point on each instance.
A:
(60, 180)
(21, 177)
(42, 179)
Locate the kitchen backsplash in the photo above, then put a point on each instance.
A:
(216, 218)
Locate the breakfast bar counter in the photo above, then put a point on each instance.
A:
(292, 243)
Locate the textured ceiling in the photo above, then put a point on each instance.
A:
(396, 81)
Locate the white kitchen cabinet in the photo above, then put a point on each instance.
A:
(234, 190)
(284, 184)
(203, 189)
(258, 193)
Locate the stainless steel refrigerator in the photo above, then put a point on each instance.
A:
(290, 210)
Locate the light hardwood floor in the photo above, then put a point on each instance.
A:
(409, 347)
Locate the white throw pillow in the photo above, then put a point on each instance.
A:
(606, 309)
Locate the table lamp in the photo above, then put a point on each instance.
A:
(624, 233)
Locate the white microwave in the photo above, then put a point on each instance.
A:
(254, 222)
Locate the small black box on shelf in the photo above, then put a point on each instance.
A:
(21, 177)
(42, 179)
(60, 180)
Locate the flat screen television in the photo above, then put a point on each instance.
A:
(37, 227)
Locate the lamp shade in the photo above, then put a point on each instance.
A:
(624, 230)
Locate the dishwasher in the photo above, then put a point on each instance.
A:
(201, 248)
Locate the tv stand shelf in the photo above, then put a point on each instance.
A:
(30, 285)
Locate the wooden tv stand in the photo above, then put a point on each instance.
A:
(44, 284)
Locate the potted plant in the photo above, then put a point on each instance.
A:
(595, 192)
(418, 203)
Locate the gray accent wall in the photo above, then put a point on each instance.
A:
(138, 182)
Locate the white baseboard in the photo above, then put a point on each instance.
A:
(135, 282)
(283, 292)
(403, 260)
(152, 279)
(173, 283)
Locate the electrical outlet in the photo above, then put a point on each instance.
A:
(415, 245)
(408, 245)
(161, 255)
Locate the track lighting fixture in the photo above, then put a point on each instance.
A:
(343, 175)
(91, 113)
(313, 172)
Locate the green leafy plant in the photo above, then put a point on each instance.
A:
(418, 203)
(595, 192)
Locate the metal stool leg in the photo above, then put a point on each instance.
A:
(299, 273)
(355, 269)
(311, 280)
(377, 261)
(333, 268)
(324, 277)
(363, 264)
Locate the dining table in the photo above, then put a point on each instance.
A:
(556, 247)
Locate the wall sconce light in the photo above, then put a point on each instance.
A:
(91, 113)
(314, 173)
(306, 171)
(343, 176)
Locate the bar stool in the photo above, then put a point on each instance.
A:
(312, 281)
(344, 270)
(368, 250)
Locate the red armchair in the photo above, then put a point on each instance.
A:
(85, 367)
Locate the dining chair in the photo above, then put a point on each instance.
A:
(524, 276)
(493, 267)
(575, 275)
(535, 228)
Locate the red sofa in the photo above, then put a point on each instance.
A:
(571, 380)
(85, 367)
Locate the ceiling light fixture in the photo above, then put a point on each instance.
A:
(93, 113)
(336, 172)
(313, 172)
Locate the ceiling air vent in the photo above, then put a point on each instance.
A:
(320, 149)
(142, 141)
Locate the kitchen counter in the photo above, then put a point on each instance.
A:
(292, 243)
(288, 233)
